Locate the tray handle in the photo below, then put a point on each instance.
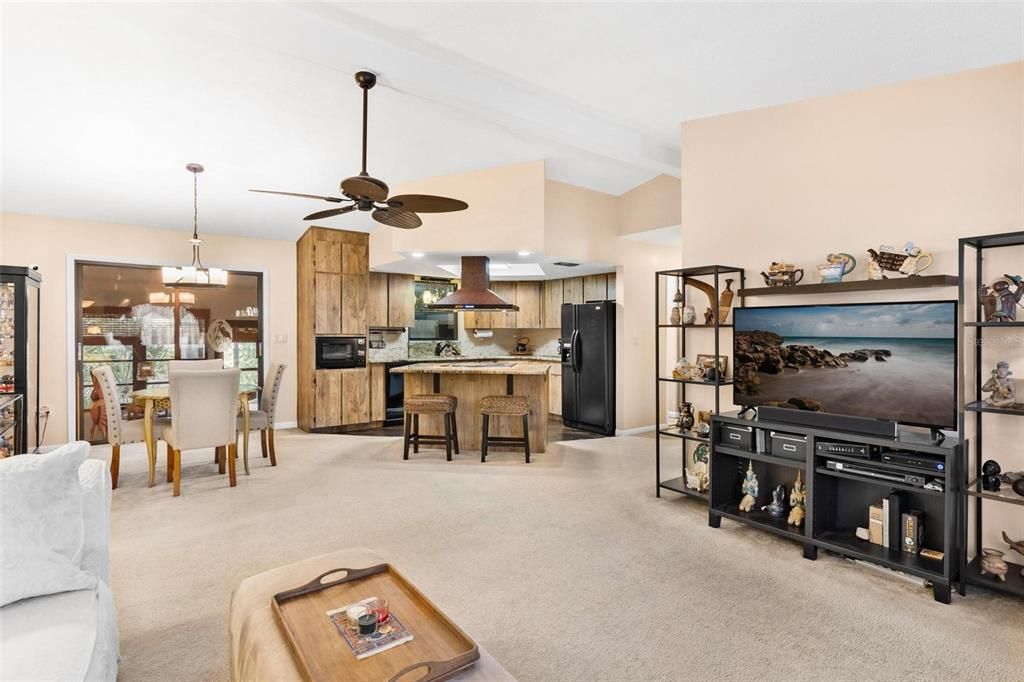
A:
(436, 670)
(318, 583)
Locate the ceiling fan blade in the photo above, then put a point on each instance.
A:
(426, 203)
(393, 218)
(336, 200)
(330, 213)
(365, 187)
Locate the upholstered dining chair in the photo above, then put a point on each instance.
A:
(121, 431)
(192, 365)
(262, 420)
(205, 407)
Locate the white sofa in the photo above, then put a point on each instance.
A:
(69, 635)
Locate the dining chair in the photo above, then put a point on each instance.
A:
(205, 408)
(121, 431)
(176, 365)
(262, 420)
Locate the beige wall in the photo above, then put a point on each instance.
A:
(506, 212)
(579, 224)
(929, 161)
(650, 206)
(47, 242)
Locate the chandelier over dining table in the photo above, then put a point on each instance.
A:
(196, 274)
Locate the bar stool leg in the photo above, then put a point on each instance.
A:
(526, 436)
(448, 435)
(483, 442)
(455, 433)
(415, 433)
(405, 439)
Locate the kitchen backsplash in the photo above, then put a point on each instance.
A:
(502, 343)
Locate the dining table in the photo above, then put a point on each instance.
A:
(158, 396)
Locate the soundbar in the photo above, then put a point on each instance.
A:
(861, 470)
(824, 420)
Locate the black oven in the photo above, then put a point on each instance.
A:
(340, 352)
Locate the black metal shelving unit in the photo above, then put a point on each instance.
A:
(716, 273)
(975, 409)
(19, 347)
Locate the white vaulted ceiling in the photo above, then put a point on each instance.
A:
(103, 104)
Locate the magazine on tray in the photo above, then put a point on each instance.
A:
(390, 634)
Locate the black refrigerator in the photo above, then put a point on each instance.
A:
(587, 347)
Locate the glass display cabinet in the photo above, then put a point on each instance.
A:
(19, 347)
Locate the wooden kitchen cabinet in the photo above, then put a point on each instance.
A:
(551, 309)
(595, 288)
(377, 300)
(355, 259)
(353, 304)
(476, 320)
(355, 396)
(572, 290)
(327, 256)
(401, 301)
(529, 299)
(378, 392)
(327, 303)
(327, 398)
(504, 319)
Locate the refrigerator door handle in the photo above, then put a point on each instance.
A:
(575, 343)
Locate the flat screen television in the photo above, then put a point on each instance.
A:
(891, 361)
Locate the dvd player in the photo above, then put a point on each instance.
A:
(824, 447)
(872, 472)
(915, 460)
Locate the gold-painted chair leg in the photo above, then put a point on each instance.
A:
(270, 446)
(232, 453)
(115, 464)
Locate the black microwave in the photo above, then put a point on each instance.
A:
(340, 352)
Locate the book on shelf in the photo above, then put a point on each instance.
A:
(875, 524)
(913, 531)
(892, 520)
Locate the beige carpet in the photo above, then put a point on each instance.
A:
(565, 569)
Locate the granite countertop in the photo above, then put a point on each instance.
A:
(477, 358)
(479, 367)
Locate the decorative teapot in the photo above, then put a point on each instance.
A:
(917, 261)
(782, 275)
(838, 265)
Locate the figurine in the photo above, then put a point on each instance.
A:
(916, 261)
(749, 488)
(874, 267)
(838, 266)
(988, 301)
(777, 509)
(709, 318)
(1006, 307)
(685, 421)
(1016, 545)
(675, 317)
(687, 371)
(1001, 385)
(797, 497)
(689, 314)
(990, 471)
(992, 562)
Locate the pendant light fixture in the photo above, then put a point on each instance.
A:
(197, 274)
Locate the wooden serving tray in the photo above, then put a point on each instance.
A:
(438, 651)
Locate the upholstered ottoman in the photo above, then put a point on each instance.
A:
(259, 650)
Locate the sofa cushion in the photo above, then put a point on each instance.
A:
(41, 524)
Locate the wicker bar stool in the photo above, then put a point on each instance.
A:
(505, 406)
(430, 403)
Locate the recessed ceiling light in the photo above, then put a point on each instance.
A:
(417, 254)
(525, 253)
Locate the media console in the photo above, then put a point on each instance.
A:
(844, 474)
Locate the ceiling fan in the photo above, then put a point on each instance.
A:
(366, 193)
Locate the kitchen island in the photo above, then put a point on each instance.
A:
(471, 381)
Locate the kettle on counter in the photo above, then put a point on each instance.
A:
(522, 344)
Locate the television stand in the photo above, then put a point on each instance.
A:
(838, 500)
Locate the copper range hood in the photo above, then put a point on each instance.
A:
(475, 292)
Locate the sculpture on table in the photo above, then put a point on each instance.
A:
(797, 499)
(1015, 545)
(749, 488)
(1007, 299)
(777, 508)
(1001, 385)
(990, 481)
(988, 301)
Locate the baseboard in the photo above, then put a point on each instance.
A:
(286, 425)
(633, 432)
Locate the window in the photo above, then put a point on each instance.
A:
(131, 322)
(433, 325)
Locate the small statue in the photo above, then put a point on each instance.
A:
(749, 488)
(686, 419)
(988, 301)
(709, 318)
(874, 267)
(1006, 308)
(777, 509)
(1001, 385)
(1015, 545)
(797, 498)
(990, 471)
(675, 317)
(689, 314)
